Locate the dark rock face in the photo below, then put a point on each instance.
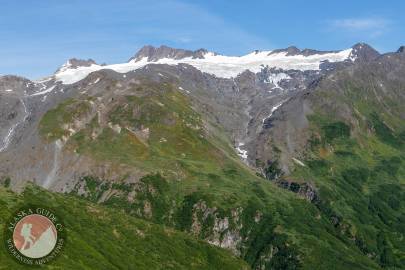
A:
(308, 52)
(74, 62)
(154, 54)
(18, 85)
(304, 190)
(292, 50)
(401, 49)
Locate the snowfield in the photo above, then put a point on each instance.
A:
(218, 65)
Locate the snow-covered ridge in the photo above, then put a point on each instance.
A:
(218, 65)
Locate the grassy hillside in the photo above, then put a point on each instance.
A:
(195, 183)
(356, 160)
(102, 238)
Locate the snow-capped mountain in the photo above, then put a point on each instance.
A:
(277, 74)
(242, 93)
(212, 63)
(202, 142)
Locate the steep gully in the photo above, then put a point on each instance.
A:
(8, 138)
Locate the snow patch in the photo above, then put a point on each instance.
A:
(242, 153)
(43, 92)
(68, 75)
(276, 78)
(353, 56)
(182, 89)
(43, 80)
(275, 108)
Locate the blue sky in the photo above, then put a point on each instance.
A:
(36, 37)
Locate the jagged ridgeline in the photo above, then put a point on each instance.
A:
(292, 159)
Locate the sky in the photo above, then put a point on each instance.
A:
(36, 37)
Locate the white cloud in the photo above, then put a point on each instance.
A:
(371, 27)
(184, 39)
(360, 24)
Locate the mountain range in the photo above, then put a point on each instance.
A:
(284, 159)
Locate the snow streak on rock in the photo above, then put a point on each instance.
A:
(9, 136)
(275, 108)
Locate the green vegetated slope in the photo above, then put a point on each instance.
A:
(195, 183)
(356, 160)
(103, 238)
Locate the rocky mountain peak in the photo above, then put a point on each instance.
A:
(401, 49)
(292, 50)
(308, 52)
(155, 53)
(74, 63)
(364, 52)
